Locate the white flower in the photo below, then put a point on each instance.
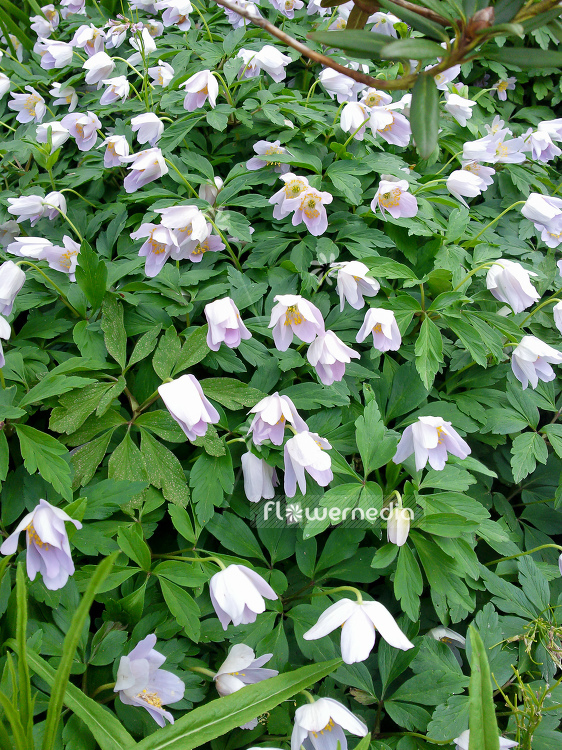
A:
(141, 682)
(259, 478)
(552, 127)
(98, 67)
(306, 451)
(145, 167)
(398, 525)
(268, 59)
(540, 144)
(144, 44)
(89, 38)
(354, 118)
(237, 594)
(54, 54)
(375, 98)
(161, 74)
(442, 79)
(29, 207)
(117, 88)
(463, 740)
(188, 405)
(5, 333)
(382, 324)
(459, 107)
(531, 361)
(72, 6)
(430, 439)
(339, 85)
(28, 247)
(294, 315)
(225, 324)
(235, 19)
(542, 210)
(199, 88)
(188, 221)
(12, 279)
(315, 7)
(557, 315)
(83, 128)
(453, 639)
(58, 133)
(329, 356)
(63, 259)
(176, 13)
(509, 282)
(287, 199)
(65, 95)
(287, 7)
(41, 26)
(384, 23)
(353, 283)
(208, 191)
(463, 182)
(272, 412)
(30, 107)
(241, 668)
(503, 86)
(312, 211)
(395, 198)
(149, 126)
(485, 174)
(268, 149)
(9, 230)
(320, 726)
(116, 148)
(161, 244)
(4, 85)
(48, 549)
(359, 623)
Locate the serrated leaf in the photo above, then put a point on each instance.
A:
(429, 352)
(113, 329)
(164, 470)
(43, 453)
(231, 393)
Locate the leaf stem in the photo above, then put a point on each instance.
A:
(176, 170)
(336, 590)
(226, 243)
(59, 290)
(497, 218)
(523, 554)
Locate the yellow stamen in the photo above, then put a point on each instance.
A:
(293, 316)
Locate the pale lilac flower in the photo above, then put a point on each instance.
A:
(315, 7)
(329, 356)
(5, 333)
(271, 414)
(294, 315)
(485, 174)
(531, 361)
(453, 639)
(541, 146)
(287, 7)
(12, 278)
(509, 151)
(462, 742)
(552, 127)
(353, 283)
(194, 251)
(99, 67)
(68, 7)
(9, 230)
(149, 126)
(225, 324)
(237, 594)
(176, 13)
(392, 126)
(444, 78)
(241, 668)
(188, 221)
(51, 14)
(320, 726)
(431, 439)
(260, 478)
(382, 324)
(463, 182)
(27, 208)
(395, 198)
(558, 263)
(268, 148)
(199, 88)
(141, 682)
(188, 405)
(340, 23)
(483, 149)
(288, 199)
(459, 107)
(354, 118)
(28, 247)
(30, 107)
(359, 623)
(502, 87)
(375, 98)
(509, 282)
(384, 24)
(146, 166)
(65, 95)
(48, 549)
(116, 32)
(54, 54)
(144, 45)
(83, 128)
(208, 191)
(398, 525)
(43, 27)
(4, 85)
(63, 259)
(237, 20)
(161, 243)
(342, 87)
(306, 451)
(116, 148)
(54, 205)
(312, 211)
(161, 74)
(269, 59)
(58, 133)
(542, 210)
(556, 312)
(117, 89)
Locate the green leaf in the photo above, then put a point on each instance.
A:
(167, 353)
(183, 607)
(408, 583)
(482, 722)
(129, 538)
(222, 716)
(416, 21)
(233, 394)
(193, 351)
(25, 702)
(164, 470)
(525, 58)
(53, 385)
(412, 49)
(76, 406)
(424, 114)
(91, 275)
(376, 444)
(429, 352)
(88, 457)
(554, 434)
(234, 534)
(43, 453)
(362, 43)
(526, 450)
(389, 269)
(126, 462)
(144, 346)
(210, 477)
(113, 329)
(182, 522)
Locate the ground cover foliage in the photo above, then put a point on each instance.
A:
(399, 474)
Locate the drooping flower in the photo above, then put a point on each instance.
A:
(42, 26)
(65, 95)
(459, 107)
(509, 282)
(83, 128)
(54, 54)
(199, 88)
(462, 182)
(287, 7)
(161, 74)
(143, 43)
(189, 223)
(116, 148)
(268, 58)
(57, 132)
(445, 77)
(237, 594)
(272, 412)
(338, 85)
(145, 167)
(294, 315)
(141, 682)
(541, 146)
(557, 315)
(28, 247)
(98, 67)
(208, 191)
(312, 211)
(451, 638)
(148, 127)
(383, 23)
(392, 126)
(531, 361)
(225, 324)
(306, 451)
(30, 107)
(398, 525)
(502, 87)
(382, 324)
(63, 259)
(12, 279)
(68, 7)
(359, 623)
(4, 85)
(268, 149)
(329, 356)
(260, 478)
(89, 38)
(353, 282)
(241, 668)
(463, 741)
(552, 127)
(320, 725)
(176, 13)
(188, 405)
(117, 89)
(161, 243)
(48, 549)
(393, 196)
(116, 32)
(235, 19)
(354, 118)
(484, 173)
(431, 439)
(287, 199)
(33, 207)
(194, 250)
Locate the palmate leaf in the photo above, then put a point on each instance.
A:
(221, 716)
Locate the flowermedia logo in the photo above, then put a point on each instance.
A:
(278, 514)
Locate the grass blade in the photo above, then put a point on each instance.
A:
(25, 702)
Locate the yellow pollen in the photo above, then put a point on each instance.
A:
(373, 99)
(32, 536)
(294, 188)
(66, 259)
(328, 728)
(111, 147)
(341, 23)
(160, 78)
(441, 433)
(79, 129)
(474, 168)
(274, 149)
(377, 328)
(31, 102)
(201, 248)
(391, 198)
(152, 699)
(445, 639)
(281, 420)
(204, 90)
(387, 128)
(502, 86)
(157, 247)
(293, 316)
(501, 150)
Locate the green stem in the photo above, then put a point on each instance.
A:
(202, 670)
(226, 243)
(59, 290)
(454, 156)
(106, 686)
(216, 560)
(176, 170)
(309, 697)
(543, 304)
(225, 87)
(429, 184)
(140, 75)
(202, 17)
(523, 554)
(336, 590)
(2, 380)
(352, 136)
(503, 213)
(75, 192)
(468, 275)
(8, 126)
(311, 91)
(62, 213)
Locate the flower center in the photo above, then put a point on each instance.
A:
(157, 247)
(34, 538)
(390, 198)
(79, 129)
(441, 433)
(31, 102)
(373, 99)
(201, 248)
(502, 86)
(293, 316)
(501, 150)
(152, 699)
(308, 205)
(341, 23)
(328, 728)
(377, 328)
(66, 259)
(294, 188)
(390, 125)
(274, 149)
